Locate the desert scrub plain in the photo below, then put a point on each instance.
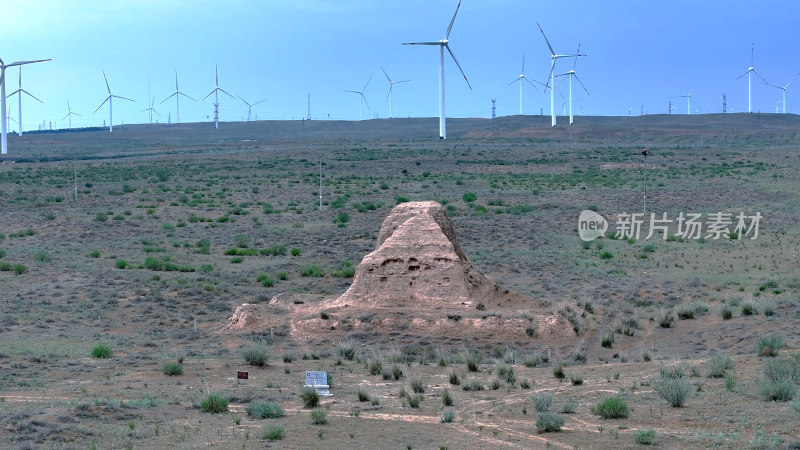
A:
(114, 305)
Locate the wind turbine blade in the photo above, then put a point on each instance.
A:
(365, 86)
(22, 63)
(759, 76)
(354, 92)
(124, 98)
(365, 101)
(176, 81)
(515, 80)
(450, 27)
(190, 98)
(212, 91)
(223, 90)
(245, 101)
(523, 64)
(262, 101)
(65, 117)
(457, 64)
(23, 90)
(387, 75)
(107, 87)
(173, 95)
(581, 83)
(216, 75)
(423, 43)
(740, 76)
(389, 94)
(577, 53)
(101, 104)
(529, 82)
(552, 52)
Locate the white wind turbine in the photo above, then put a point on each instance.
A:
(689, 101)
(3, 112)
(250, 106)
(444, 44)
(151, 110)
(109, 99)
(553, 57)
(69, 115)
(783, 88)
(177, 94)
(519, 80)
(572, 75)
(391, 85)
(750, 70)
(216, 91)
(361, 93)
(19, 93)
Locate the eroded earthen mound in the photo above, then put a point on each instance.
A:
(419, 263)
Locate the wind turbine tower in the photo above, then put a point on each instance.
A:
(177, 94)
(69, 115)
(216, 91)
(109, 99)
(19, 93)
(494, 108)
(361, 93)
(554, 57)
(3, 112)
(444, 44)
(391, 85)
(519, 79)
(749, 84)
(572, 75)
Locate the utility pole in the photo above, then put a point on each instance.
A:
(493, 108)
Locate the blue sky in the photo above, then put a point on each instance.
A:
(640, 53)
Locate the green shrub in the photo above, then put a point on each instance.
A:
(256, 355)
(454, 378)
(542, 402)
(295, 252)
(265, 410)
(447, 399)
(121, 264)
(273, 433)
(448, 415)
(473, 385)
(346, 350)
(310, 397)
(645, 437)
(214, 404)
(569, 406)
(749, 309)
(783, 369)
(312, 271)
(777, 391)
(43, 256)
(319, 417)
(19, 269)
(102, 350)
(375, 367)
(417, 386)
(677, 370)
(345, 270)
(242, 240)
(469, 197)
(770, 345)
(673, 390)
(730, 381)
(473, 358)
(719, 365)
(506, 373)
(414, 400)
(273, 250)
(549, 422)
(665, 319)
(172, 368)
(611, 408)
(727, 313)
(265, 279)
(363, 396)
(558, 372)
(608, 340)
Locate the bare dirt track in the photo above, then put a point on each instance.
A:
(175, 228)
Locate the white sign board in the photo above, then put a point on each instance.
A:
(319, 381)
